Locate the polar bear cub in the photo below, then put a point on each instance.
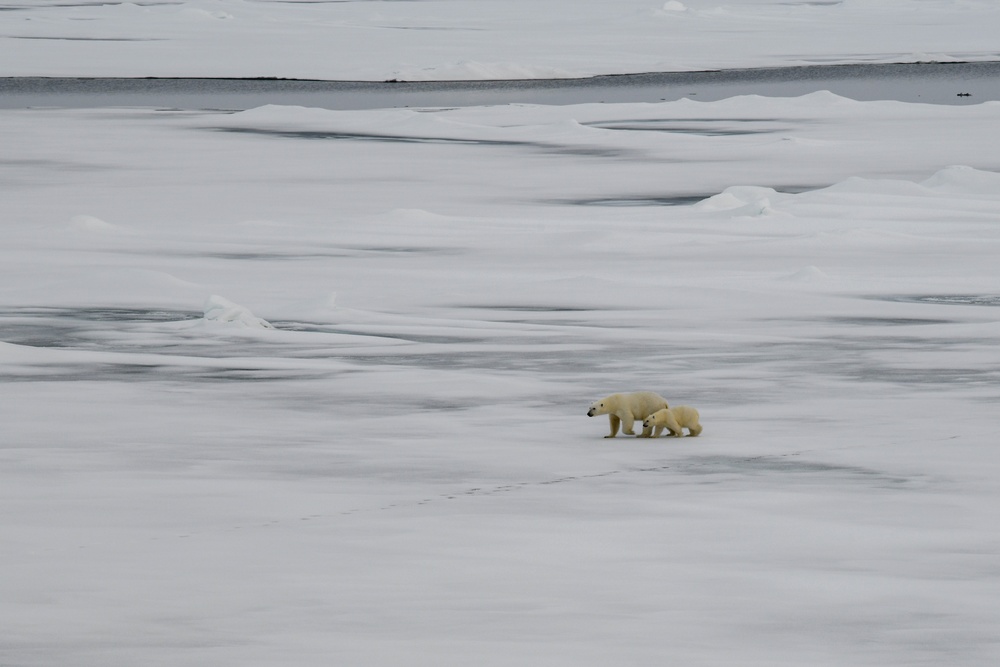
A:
(675, 420)
(625, 409)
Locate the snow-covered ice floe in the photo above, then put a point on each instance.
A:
(486, 39)
(406, 475)
(223, 311)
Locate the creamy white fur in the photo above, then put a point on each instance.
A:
(675, 420)
(624, 409)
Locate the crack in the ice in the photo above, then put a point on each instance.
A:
(775, 463)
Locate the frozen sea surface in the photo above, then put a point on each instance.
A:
(435, 40)
(304, 387)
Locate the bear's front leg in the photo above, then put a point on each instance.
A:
(614, 425)
(657, 431)
(627, 423)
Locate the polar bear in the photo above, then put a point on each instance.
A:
(624, 409)
(675, 420)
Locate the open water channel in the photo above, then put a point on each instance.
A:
(936, 83)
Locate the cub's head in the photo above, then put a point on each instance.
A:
(655, 419)
(596, 408)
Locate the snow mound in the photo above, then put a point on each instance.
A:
(751, 200)
(742, 200)
(959, 179)
(824, 99)
(223, 311)
(88, 223)
(857, 185)
(954, 180)
(807, 274)
(674, 6)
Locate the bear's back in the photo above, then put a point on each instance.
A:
(685, 414)
(645, 403)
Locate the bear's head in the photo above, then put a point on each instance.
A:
(655, 419)
(596, 408)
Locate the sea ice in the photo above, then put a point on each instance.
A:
(223, 311)
(409, 477)
(486, 39)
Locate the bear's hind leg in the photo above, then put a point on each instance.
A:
(615, 421)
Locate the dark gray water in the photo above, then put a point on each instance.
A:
(937, 83)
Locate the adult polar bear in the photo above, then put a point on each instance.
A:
(625, 409)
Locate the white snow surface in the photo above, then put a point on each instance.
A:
(479, 39)
(405, 474)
